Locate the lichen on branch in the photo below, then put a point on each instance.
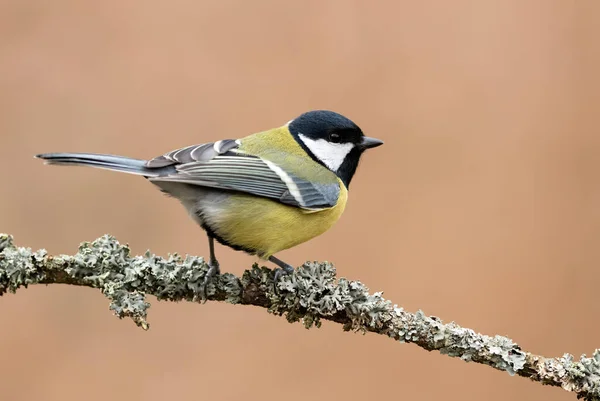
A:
(310, 295)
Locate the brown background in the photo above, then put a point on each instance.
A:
(482, 207)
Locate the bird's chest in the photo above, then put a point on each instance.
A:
(263, 226)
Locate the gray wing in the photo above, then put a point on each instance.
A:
(222, 165)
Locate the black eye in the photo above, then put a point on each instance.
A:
(334, 137)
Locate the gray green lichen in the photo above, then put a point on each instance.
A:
(17, 265)
(311, 294)
(582, 377)
(107, 265)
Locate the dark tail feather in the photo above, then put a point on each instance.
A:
(108, 162)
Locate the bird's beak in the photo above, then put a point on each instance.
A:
(368, 142)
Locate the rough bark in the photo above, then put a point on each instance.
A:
(310, 295)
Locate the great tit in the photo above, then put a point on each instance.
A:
(260, 194)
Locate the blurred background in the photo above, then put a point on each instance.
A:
(482, 207)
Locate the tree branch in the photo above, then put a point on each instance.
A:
(310, 295)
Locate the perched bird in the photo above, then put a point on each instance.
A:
(260, 194)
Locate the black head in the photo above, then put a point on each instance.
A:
(332, 140)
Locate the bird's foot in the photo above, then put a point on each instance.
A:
(213, 270)
(279, 273)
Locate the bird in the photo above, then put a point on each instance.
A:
(260, 194)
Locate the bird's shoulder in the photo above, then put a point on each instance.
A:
(278, 146)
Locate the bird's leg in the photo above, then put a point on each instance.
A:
(284, 269)
(213, 267)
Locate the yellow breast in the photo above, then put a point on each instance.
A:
(268, 226)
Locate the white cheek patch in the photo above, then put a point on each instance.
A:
(331, 154)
